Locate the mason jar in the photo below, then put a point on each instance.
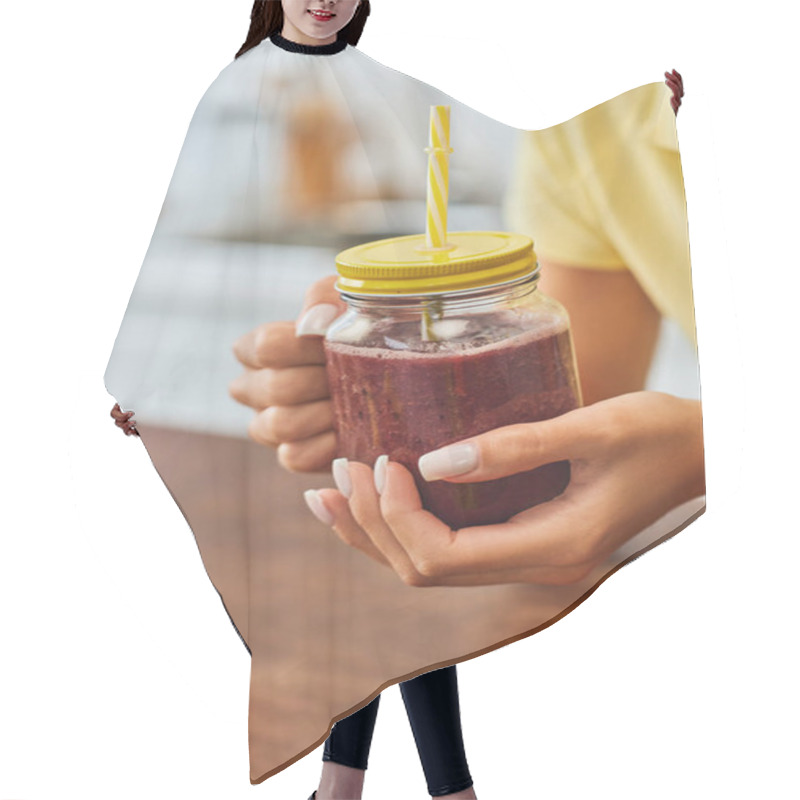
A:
(441, 345)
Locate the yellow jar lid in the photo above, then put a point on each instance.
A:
(405, 265)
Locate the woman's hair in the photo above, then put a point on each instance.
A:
(266, 19)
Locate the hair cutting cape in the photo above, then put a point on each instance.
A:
(291, 157)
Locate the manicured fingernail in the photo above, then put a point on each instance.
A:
(456, 459)
(318, 509)
(341, 477)
(317, 320)
(380, 473)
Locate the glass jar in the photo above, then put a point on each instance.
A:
(440, 345)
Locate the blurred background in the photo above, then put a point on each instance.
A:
(285, 164)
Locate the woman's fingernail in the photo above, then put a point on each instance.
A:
(317, 320)
(380, 473)
(318, 509)
(456, 459)
(341, 477)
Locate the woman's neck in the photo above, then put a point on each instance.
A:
(316, 49)
(292, 33)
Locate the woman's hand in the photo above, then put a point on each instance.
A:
(633, 458)
(124, 420)
(285, 382)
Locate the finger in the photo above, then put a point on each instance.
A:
(118, 414)
(350, 532)
(275, 345)
(353, 534)
(676, 93)
(310, 455)
(321, 306)
(261, 434)
(323, 292)
(675, 84)
(292, 423)
(366, 510)
(345, 526)
(429, 551)
(517, 448)
(316, 321)
(553, 538)
(280, 387)
(503, 451)
(424, 538)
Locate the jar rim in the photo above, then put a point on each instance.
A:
(406, 266)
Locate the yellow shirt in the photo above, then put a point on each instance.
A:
(604, 190)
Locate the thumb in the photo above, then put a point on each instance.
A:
(321, 306)
(501, 452)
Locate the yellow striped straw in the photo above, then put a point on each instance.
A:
(438, 152)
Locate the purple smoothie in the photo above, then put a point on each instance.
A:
(404, 403)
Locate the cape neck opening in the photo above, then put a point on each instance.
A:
(308, 49)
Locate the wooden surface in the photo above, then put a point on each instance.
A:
(327, 627)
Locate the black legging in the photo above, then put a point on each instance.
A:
(431, 702)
